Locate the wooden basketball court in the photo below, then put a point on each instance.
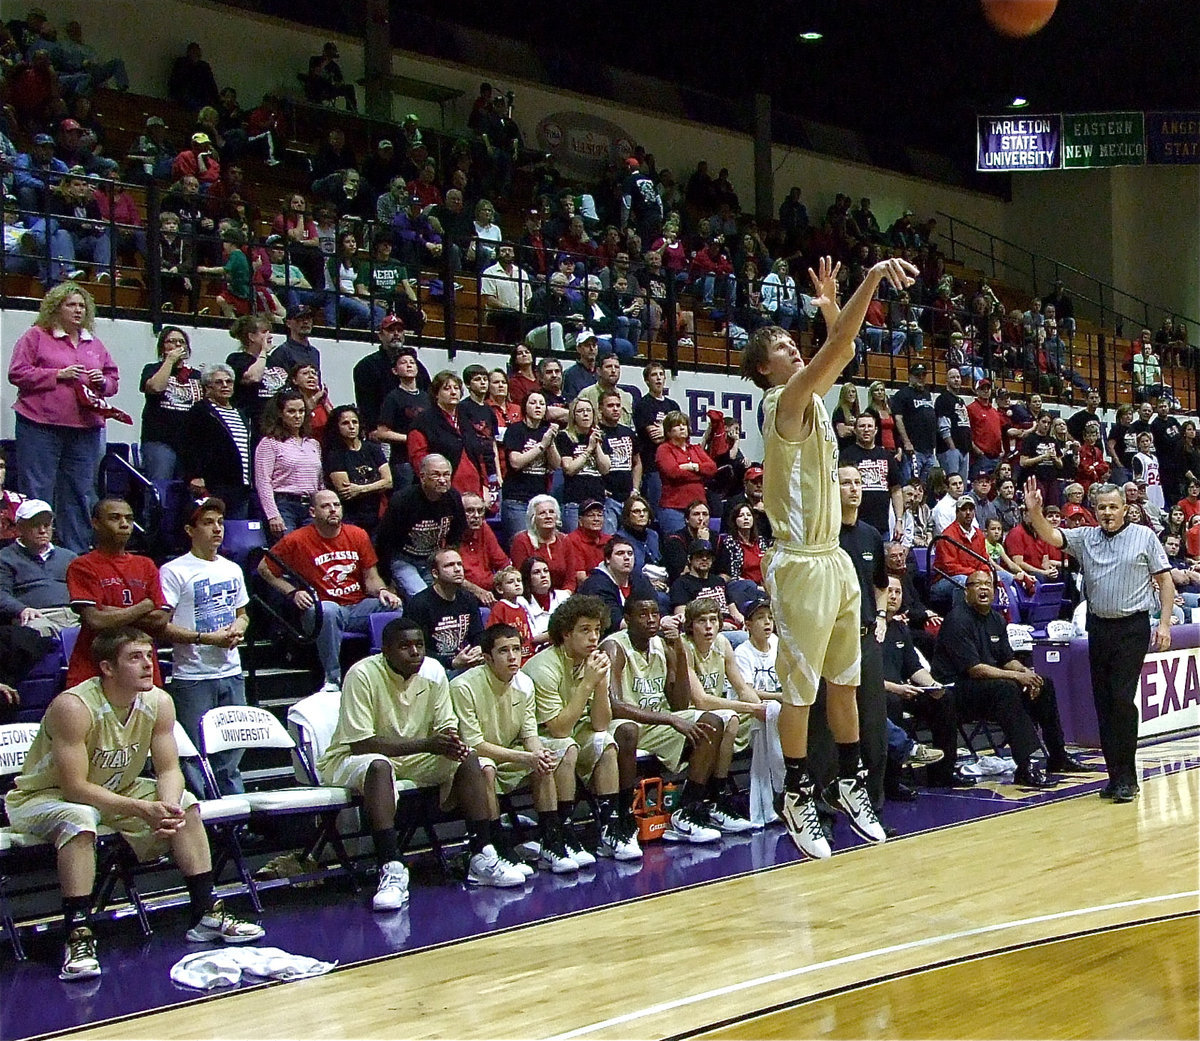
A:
(1072, 919)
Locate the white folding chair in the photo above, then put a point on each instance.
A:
(248, 727)
(312, 721)
(225, 814)
(17, 849)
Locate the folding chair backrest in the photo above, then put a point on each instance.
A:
(69, 636)
(185, 745)
(241, 538)
(377, 622)
(312, 722)
(15, 741)
(242, 726)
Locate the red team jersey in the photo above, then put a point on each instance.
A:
(103, 580)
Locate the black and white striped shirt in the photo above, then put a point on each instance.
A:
(1117, 569)
(237, 430)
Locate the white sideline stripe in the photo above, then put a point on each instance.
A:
(733, 988)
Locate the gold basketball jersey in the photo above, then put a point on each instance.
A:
(800, 485)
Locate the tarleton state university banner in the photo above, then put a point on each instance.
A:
(1093, 139)
(1173, 137)
(1008, 144)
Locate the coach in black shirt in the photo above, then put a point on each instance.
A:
(864, 545)
(973, 652)
(906, 682)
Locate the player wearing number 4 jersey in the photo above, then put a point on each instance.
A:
(650, 684)
(809, 578)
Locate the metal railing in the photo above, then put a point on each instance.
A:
(1104, 302)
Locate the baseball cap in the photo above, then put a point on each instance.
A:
(156, 121)
(984, 383)
(918, 370)
(385, 143)
(1074, 509)
(1002, 392)
(299, 311)
(200, 139)
(964, 500)
(43, 139)
(69, 124)
(585, 335)
(392, 321)
(31, 508)
(754, 605)
(590, 504)
(203, 506)
(982, 470)
(700, 546)
(632, 163)
(412, 117)
(754, 473)
(414, 200)
(275, 240)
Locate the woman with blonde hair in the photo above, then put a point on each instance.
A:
(62, 373)
(845, 414)
(885, 426)
(584, 461)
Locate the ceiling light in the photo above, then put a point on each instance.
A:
(811, 36)
(1018, 102)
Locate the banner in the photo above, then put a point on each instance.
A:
(1007, 144)
(1168, 696)
(1173, 137)
(583, 144)
(1092, 139)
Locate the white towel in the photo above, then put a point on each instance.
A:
(766, 767)
(988, 766)
(224, 966)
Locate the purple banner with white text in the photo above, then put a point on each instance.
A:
(1008, 144)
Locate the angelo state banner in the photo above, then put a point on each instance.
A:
(1006, 144)
(1093, 139)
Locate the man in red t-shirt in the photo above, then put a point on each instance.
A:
(481, 554)
(110, 588)
(1033, 555)
(987, 428)
(338, 561)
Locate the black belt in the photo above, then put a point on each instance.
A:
(303, 498)
(866, 630)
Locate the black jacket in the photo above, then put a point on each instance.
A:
(209, 450)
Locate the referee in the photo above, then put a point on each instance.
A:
(1119, 561)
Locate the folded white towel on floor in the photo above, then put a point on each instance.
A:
(224, 967)
(988, 766)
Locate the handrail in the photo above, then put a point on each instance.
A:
(1056, 266)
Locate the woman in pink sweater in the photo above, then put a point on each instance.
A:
(287, 463)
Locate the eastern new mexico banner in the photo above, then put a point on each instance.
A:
(1103, 139)
(1008, 144)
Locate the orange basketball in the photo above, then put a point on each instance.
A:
(1018, 17)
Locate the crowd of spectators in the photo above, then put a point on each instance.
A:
(534, 504)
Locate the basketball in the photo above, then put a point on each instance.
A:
(1018, 17)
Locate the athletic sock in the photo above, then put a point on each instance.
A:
(693, 792)
(549, 824)
(714, 788)
(387, 846)
(848, 760)
(200, 894)
(607, 810)
(796, 772)
(625, 802)
(565, 811)
(479, 834)
(77, 911)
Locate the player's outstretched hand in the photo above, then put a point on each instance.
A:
(824, 281)
(900, 273)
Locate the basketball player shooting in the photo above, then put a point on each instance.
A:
(810, 580)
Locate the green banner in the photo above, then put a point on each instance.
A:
(1103, 139)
